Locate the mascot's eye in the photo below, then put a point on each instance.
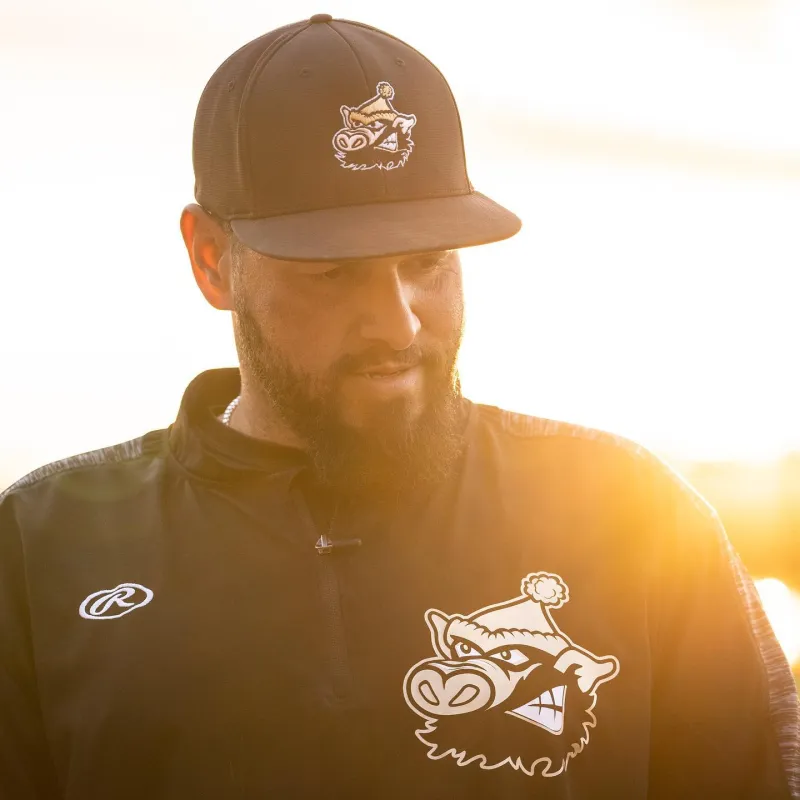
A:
(376, 126)
(466, 649)
(514, 656)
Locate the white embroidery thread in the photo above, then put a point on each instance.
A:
(507, 686)
(98, 604)
(375, 134)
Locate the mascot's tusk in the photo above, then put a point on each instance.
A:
(588, 671)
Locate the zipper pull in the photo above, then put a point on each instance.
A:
(325, 544)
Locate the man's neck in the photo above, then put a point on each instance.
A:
(256, 417)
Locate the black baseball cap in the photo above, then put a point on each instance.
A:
(328, 140)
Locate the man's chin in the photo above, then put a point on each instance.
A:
(395, 446)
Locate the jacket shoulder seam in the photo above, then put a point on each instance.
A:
(530, 427)
(115, 454)
(525, 426)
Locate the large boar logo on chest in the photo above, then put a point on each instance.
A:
(506, 686)
(374, 133)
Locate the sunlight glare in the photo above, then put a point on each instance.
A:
(782, 607)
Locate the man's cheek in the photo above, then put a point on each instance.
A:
(441, 306)
(303, 338)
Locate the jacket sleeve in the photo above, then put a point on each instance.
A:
(26, 771)
(725, 713)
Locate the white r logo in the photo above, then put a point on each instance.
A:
(118, 601)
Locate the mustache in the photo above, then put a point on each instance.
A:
(378, 356)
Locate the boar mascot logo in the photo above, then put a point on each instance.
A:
(374, 134)
(506, 686)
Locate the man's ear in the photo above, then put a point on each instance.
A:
(209, 253)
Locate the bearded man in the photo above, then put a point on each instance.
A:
(333, 576)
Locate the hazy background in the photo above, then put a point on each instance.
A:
(651, 147)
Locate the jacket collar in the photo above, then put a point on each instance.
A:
(211, 450)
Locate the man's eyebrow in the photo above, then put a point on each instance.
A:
(354, 262)
(432, 253)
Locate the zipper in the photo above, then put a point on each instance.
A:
(341, 676)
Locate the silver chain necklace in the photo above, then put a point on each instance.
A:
(226, 416)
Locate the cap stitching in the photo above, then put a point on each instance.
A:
(391, 253)
(424, 58)
(255, 73)
(389, 199)
(366, 84)
(238, 52)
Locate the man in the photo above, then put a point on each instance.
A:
(333, 576)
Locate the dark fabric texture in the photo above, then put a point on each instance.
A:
(168, 629)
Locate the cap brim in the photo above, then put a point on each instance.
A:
(379, 229)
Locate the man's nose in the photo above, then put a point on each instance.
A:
(390, 315)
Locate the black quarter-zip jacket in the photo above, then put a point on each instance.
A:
(563, 618)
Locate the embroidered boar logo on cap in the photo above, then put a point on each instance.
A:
(374, 133)
(506, 686)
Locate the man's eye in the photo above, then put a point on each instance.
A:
(331, 274)
(465, 649)
(511, 656)
(425, 264)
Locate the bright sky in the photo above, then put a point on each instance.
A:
(651, 147)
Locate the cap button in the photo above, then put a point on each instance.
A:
(320, 18)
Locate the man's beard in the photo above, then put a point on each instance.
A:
(385, 459)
